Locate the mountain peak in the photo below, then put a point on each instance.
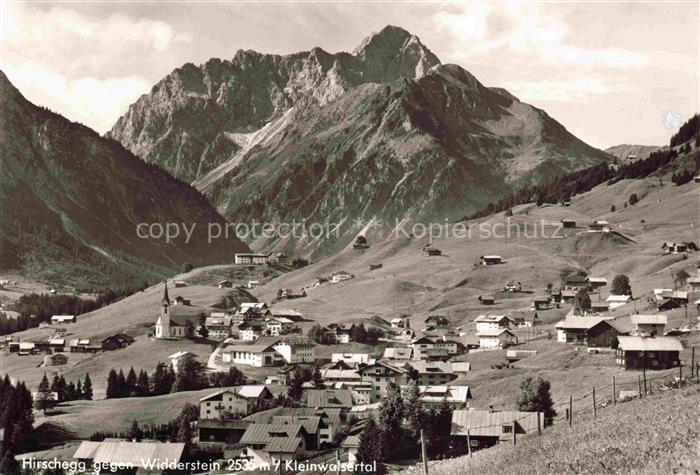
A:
(395, 48)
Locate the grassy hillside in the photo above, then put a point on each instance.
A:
(658, 434)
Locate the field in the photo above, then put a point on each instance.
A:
(411, 283)
(658, 434)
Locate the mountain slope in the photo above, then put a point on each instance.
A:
(384, 134)
(625, 152)
(71, 202)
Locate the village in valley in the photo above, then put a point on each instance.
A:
(265, 361)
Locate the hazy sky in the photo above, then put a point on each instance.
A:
(610, 72)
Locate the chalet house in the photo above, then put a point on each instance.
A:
(487, 299)
(568, 223)
(82, 345)
(568, 295)
(250, 258)
(512, 286)
(452, 347)
(290, 314)
(422, 348)
(576, 281)
(486, 428)
(218, 325)
(56, 344)
(116, 342)
(330, 419)
(431, 373)
(277, 326)
(334, 376)
(396, 323)
(456, 396)
(224, 284)
(296, 350)
(278, 258)
(340, 276)
(432, 251)
(542, 302)
(312, 426)
(667, 299)
(140, 457)
(180, 283)
(597, 282)
(352, 445)
(637, 352)
(491, 260)
(673, 247)
(251, 330)
(253, 283)
(484, 322)
(63, 319)
(328, 399)
(56, 359)
(266, 444)
(341, 331)
(222, 402)
(599, 226)
(397, 353)
(598, 332)
(221, 431)
(649, 325)
(258, 354)
(496, 338)
(436, 321)
(380, 374)
(22, 347)
(180, 300)
(516, 355)
(694, 283)
(556, 295)
(461, 367)
(238, 401)
(176, 321)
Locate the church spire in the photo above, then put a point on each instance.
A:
(166, 299)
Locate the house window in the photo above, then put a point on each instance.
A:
(507, 429)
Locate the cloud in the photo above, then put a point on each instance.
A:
(523, 29)
(82, 66)
(94, 102)
(580, 90)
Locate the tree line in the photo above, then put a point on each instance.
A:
(688, 131)
(36, 308)
(17, 420)
(563, 188)
(48, 396)
(190, 376)
(177, 430)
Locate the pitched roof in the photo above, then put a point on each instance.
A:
(351, 441)
(260, 345)
(311, 424)
(458, 394)
(487, 332)
(579, 323)
(431, 367)
(87, 450)
(659, 343)
(117, 451)
(492, 318)
(274, 437)
(484, 423)
(649, 319)
(328, 398)
(398, 353)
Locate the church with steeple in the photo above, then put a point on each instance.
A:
(176, 321)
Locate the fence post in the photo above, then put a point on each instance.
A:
(539, 425)
(639, 384)
(644, 373)
(680, 374)
(595, 414)
(424, 455)
(469, 444)
(614, 393)
(513, 431)
(692, 362)
(337, 462)
(571, 409)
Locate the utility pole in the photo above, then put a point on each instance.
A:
(423, 452)
(614, 393)
(571, 409)
(513, 431)
(337, 462)
(692, 362)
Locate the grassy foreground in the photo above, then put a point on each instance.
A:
(658, 434)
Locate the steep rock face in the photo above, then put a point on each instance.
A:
(384, 134)
(628, 152)
(185, 124)
(71, 201)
